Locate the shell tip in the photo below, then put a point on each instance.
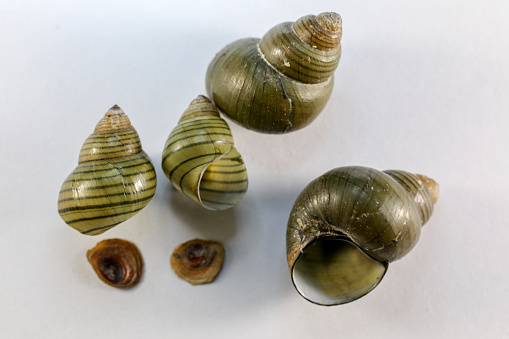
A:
(431, 185)
(200, 106)
(114, 119)
(330, 21)
(115, 109)
(199, 99)
(322, 31)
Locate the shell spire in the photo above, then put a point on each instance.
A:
(312, 51)
(199, 107)
(114, 119)
(113, 137)
(322, 32)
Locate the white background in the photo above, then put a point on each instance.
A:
(422, 86)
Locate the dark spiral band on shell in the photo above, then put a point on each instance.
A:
(282, 82)
(114, 179)
(302, 51)
(200, 160)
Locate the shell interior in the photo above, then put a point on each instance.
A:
(333, 271)
(223, 182)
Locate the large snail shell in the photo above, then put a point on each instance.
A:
(348, 224)
(113, 181)
(282, 82)
(200, 160)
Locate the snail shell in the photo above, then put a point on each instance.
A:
(113, 181)
(117, 262)
(200, 160)
(348, 224)
(282, 82)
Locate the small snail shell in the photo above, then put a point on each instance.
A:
(282, 82)
(200, 160)
(348, 224)
(113, 181)
(117, 262)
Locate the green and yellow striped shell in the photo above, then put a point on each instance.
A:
(113, 181)
(282, 82)
(349, 224)
(200, 160)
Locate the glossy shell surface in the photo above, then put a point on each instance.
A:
(281, 82)
(113, 181)
(201, 161)
(348, 225)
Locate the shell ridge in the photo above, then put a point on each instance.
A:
(205, 169)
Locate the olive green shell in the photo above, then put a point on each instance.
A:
(113, 181)
(282, 82)
(348, 224)
(200, 160)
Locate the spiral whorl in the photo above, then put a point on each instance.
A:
(307, 50)
(417, 188)
(113, 137)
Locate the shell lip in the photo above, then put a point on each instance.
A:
(343, 238)
(201, 177)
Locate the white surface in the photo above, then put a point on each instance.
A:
(422, 86)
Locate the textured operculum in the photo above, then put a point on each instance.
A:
(307, 50)
(420, 193)
(117, 262)
(199, 107)
(113, 137)
(198, 261)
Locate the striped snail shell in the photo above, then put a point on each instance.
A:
(282, 82)
(348, 224)
(200, 160)
(113, 181)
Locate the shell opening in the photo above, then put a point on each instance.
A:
(221, 184)
(335, 271)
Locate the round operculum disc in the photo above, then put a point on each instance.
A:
(332, 272)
